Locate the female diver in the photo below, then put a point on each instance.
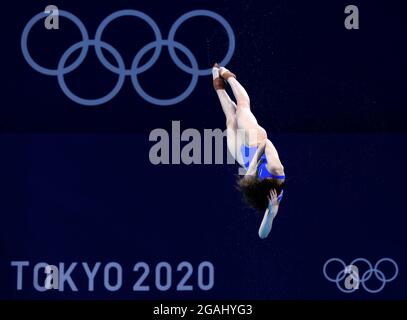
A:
(263, 182)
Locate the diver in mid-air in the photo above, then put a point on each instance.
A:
(263, 183)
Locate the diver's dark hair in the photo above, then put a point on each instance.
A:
(255, 191)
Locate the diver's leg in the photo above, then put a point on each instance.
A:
(234, 141)
(229, 109)
(228, 106)
(246, 121)
(240, 93)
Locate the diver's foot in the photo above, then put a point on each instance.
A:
(225, 73)
(218, 82)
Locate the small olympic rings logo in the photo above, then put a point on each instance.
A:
(348, 278)
(120, 69)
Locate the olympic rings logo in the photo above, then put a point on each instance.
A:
(349, 275)
(120, 69)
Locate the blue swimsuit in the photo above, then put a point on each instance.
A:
(262, 172)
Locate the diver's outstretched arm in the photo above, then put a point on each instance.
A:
(269, 215)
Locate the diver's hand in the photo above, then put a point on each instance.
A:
(273, 198)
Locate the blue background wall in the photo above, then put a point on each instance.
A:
(77, 185)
